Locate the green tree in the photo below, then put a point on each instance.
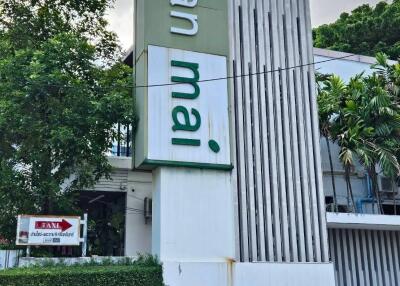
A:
(62, 90)
(365, 121)
(366, 30)
(381, 113)
(330, 89)
(12, 201)
(348, 129)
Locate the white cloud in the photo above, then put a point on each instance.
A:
(121, 21)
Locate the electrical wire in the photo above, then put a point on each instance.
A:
(128, 210)
(250, 74)
(213, 79)
(135, 197)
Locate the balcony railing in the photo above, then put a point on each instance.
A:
(122, 147)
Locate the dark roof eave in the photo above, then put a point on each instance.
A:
(128, 57)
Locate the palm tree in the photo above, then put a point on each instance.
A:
(340, 124)
(363, 118)
(348, 137)
(381, 114)
(330, 89)
(372, 122)
(390, 75)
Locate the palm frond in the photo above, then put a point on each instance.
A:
(388, 162)
(346, 156)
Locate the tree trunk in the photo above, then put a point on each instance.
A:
(47, 205)
(394, 189)
(375, 188)
(332, 174)
(46, 183)
(349, 188)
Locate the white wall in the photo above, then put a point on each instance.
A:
(138, 233)
(9, 258)
(137, 186)
(342, 67)
(284, 274)
(193, 215)
(249, 274)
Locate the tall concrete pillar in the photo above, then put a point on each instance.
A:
(184, 135)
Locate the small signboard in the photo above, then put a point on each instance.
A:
(48, 230)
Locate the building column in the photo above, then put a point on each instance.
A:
(193, 225)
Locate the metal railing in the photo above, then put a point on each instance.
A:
(122, 147)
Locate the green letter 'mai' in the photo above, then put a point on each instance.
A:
(185, 126)
(192, 81)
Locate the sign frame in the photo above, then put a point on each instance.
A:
(79, 239)
(211, 106)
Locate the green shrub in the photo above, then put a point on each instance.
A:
(113, 275)
(146, 260)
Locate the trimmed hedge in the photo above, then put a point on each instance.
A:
(131, 275)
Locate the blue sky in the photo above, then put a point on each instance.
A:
(322, 11)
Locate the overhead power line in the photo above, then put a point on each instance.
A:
(249, 74)
(214, 79)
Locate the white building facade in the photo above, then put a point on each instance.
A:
(263, 222)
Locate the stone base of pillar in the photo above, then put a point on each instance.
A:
(248, 274)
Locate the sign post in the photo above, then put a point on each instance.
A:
(182, 46)
(84, 235)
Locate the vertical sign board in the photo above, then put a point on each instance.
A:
(181, 48)
(47, 230)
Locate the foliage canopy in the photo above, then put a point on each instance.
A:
(366, 30)
(62, 90)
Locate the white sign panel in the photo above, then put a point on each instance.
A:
(188, 119)
(46, 230)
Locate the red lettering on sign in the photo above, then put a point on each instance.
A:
(62, 225)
